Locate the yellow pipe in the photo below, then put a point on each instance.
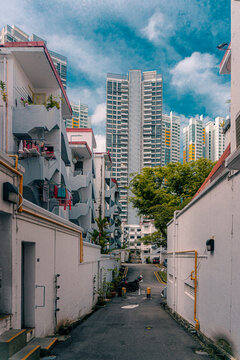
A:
(195, 282)
(42, 217)
(16, 162)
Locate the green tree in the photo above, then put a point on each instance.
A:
(154, 238)
(159, 191)
(100, 236)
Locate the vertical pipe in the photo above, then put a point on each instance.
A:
(4, 110)
(174, 258)
(195, 294)
(7, 110)
(81, 248)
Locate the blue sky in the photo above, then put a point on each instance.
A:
(178, 38)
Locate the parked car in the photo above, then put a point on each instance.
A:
(164, 293)
(165, 263)
(156, 260)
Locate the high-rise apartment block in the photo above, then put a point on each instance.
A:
(215, 139)
(133, 128)
(193, 140)
(14, 34)
(203, 140)
(170, 138)
(80, 118)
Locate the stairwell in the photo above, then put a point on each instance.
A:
(14, 345)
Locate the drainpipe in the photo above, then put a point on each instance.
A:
(4, 110)
(7, 108)
(174, 258)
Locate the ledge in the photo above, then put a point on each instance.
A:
(233, 161)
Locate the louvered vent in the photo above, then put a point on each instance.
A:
(238, 131)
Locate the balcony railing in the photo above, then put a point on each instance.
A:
(33, 117)
(81, 179)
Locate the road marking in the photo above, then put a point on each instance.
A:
(158, 278)
(129, 306)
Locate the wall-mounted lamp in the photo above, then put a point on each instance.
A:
(10, 193)
(210, 245)
(223, 47)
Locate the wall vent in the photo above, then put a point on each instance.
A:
(189, 290)
(238, 131)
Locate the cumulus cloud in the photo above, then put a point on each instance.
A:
(99, 115)
(85, 57)
(101, 143)
(157, 28)
(198, 75)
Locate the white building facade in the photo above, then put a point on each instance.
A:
(14, 34)
(80, 118)
(193, 140)
(81, 176)
(214, 139)
(170, 139)
(133, 128)
(107, 198)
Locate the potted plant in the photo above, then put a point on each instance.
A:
(3, 91)
(52, 101)
(101, 297)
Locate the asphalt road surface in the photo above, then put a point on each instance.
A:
(143, 330)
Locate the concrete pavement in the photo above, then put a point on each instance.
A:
(145, 331)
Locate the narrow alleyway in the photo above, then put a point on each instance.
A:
(145, 331)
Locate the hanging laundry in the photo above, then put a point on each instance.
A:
(61, 193)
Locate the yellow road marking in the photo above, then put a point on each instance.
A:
(159, 278)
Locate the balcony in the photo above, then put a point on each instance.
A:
(80, 209)
(113, 210)
(81, 179)
(29, 119)
(38, 168)
(108, 177)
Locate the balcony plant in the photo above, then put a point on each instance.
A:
(53, 101)
(3, 91)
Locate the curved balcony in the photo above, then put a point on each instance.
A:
(80, 180)
(38, 168)
(80, 209)
(34, 117)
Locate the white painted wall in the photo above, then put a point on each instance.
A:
(58, 252)
(215, 214)
(235, 69)
(55, 250)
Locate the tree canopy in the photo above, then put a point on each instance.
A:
(159, 191)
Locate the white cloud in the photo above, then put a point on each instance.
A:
(157, 28)
(88, 96)
(101, 143)
(198, 76)
(99, 115)
(85, 57)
